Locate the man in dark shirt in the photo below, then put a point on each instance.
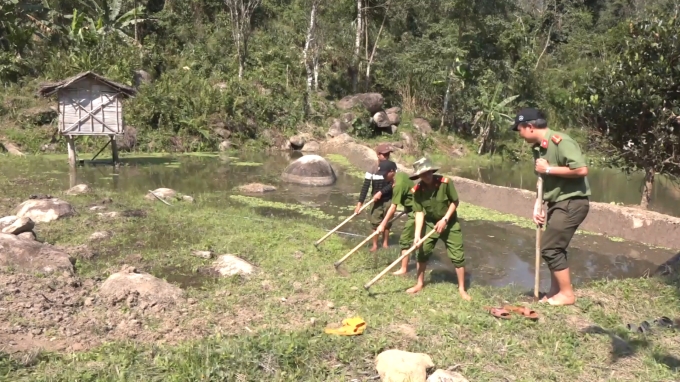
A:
(381, 195)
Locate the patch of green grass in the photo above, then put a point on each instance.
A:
(303, 210)
(346, 165)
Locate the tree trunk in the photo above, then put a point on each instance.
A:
(136, 29)
(647, 189)
(447, 96)
(367, 79)
(308, 43)
(357, 48)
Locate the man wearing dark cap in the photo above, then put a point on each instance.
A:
(560, 162)
(381, 194)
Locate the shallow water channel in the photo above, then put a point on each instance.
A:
(607, 185)
(499, 254)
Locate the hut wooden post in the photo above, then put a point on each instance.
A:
(114, 150)
(71, 143)
(72, 176)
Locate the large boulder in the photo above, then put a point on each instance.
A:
(422, 125)
(15, 225)
(337, 128)
(32, 256)
(44, 210)
(362, 157)
(394, 115)
(310, 170)
(373, 102)
(382, 120)
(401, 366)
(119, 286)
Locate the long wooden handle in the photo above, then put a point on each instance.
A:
(539, 200)
(343, 223)
(413, 248)
(350, 253)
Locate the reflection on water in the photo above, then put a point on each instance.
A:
(606, 185)
(497, 254)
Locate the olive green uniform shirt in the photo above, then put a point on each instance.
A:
(435, 201)
(561, 150)
(401, 192)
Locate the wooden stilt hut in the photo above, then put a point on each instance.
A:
(89, 105)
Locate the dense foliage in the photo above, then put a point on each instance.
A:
(262, 67)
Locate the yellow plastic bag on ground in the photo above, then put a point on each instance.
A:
(350, 327)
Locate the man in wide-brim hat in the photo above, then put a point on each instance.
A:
(435, 200)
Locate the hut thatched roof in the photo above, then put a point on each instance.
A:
(49, 89)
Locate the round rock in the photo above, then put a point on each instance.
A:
(310, 170)
(44, 210)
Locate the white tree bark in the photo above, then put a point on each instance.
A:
(309, 45)
(241, 12)
(357, 47)
(367, 79)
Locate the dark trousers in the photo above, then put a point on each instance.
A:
(563, 219)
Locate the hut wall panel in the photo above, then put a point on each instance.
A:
(90, 95)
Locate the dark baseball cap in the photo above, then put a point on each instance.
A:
(385, 166)
(525, 115)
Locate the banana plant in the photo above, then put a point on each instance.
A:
(492, 116)
(104, 17)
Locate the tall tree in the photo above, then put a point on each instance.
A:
(241, 12)
(636, 99)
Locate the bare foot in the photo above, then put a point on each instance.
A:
(415, 289)
(373, 248)
(385, 245)
(399, 272)
(561, 299)
(464, 295)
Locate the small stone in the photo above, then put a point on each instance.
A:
(330, 305)
(188, 198)
(312, 321)
(102, 235)
(283, 299)
(354, 288)
(446, 376)
(191, 301)
(89, 301)
(78, 190)
(97, 208)
(202, 254)
(113, 214)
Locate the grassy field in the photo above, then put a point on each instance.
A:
(269, 325)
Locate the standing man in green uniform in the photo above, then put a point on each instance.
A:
(435, 200)
(401, 187)
(376, 181)
(559, 160)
